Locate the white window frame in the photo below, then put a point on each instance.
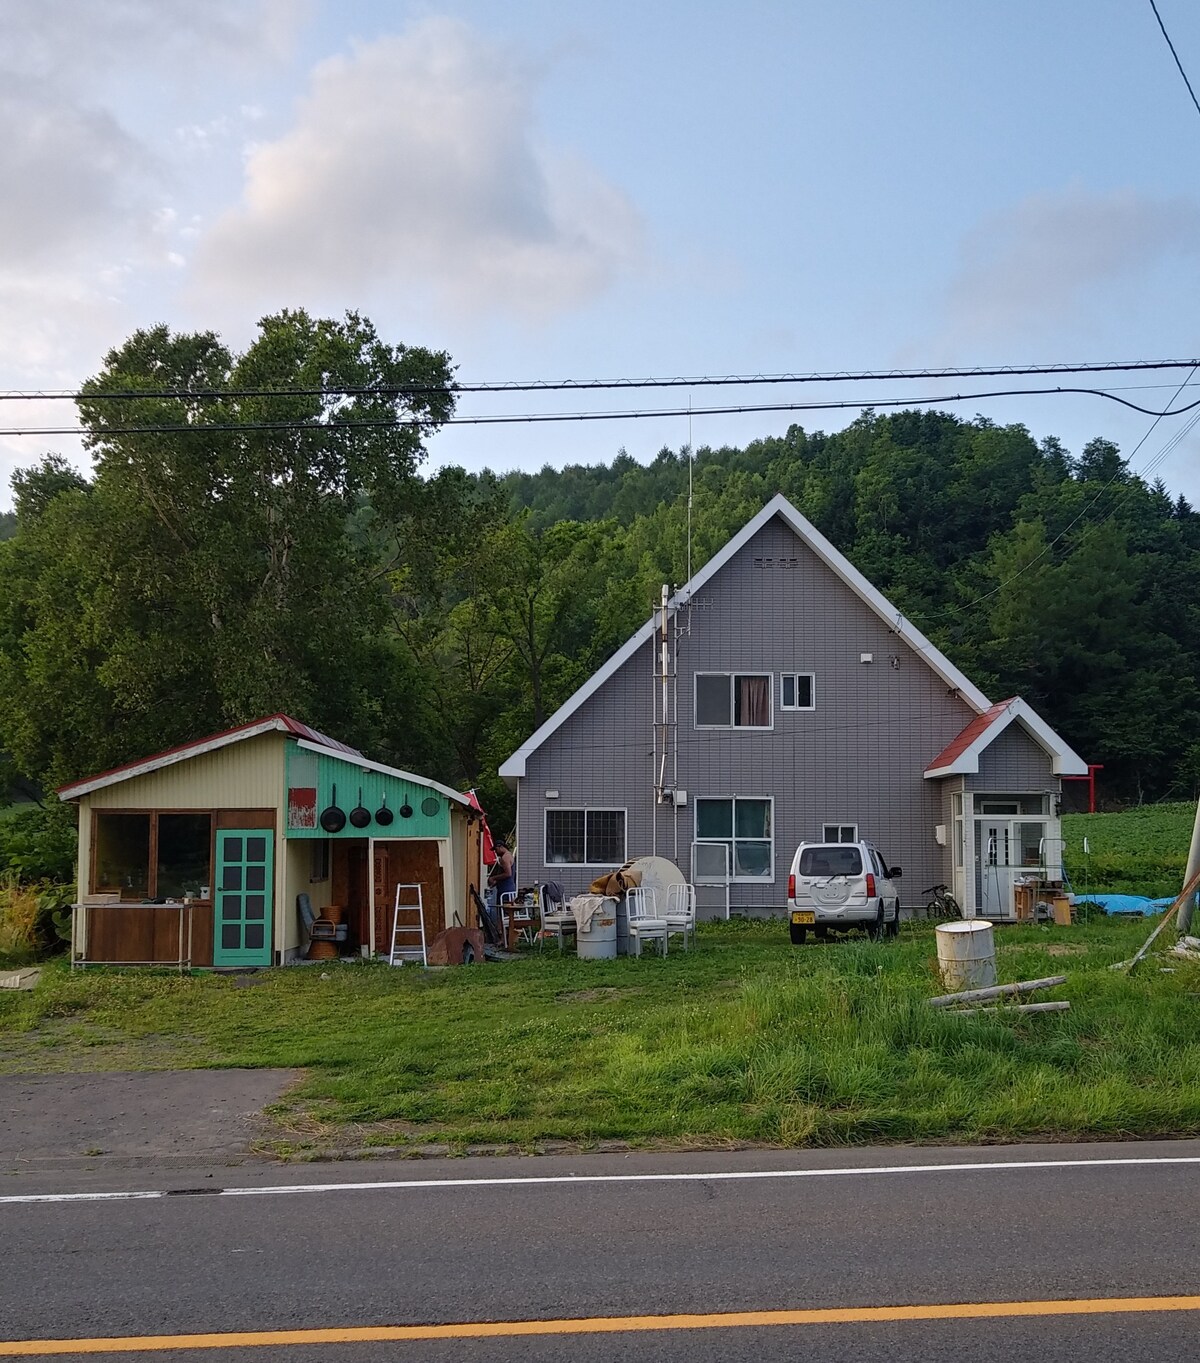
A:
(732, 840)
(812, 690)
(731, 727)
(585, 810)
(838, 829)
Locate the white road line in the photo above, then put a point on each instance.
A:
(543, 1180)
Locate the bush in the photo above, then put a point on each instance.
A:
(39, 844)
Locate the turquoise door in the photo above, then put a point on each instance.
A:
(242, 918)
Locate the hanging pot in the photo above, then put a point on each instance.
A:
(406, 810)
(383, 814)
(360, 815)
(333, 820)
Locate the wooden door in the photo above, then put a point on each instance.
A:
(411, 862)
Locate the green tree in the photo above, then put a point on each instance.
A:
(210, 573)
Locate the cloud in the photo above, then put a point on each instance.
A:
(1043, 262)
(414, 166)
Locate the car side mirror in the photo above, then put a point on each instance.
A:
(895, 873)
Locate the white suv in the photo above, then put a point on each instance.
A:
(841, 885)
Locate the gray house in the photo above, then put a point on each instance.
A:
(778, 697)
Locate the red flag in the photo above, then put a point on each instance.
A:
(489, 847)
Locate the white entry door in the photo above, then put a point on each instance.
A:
(996, 861)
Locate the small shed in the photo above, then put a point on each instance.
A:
(198, 855)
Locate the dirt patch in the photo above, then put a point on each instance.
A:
(65, 1120)
(1065, 949)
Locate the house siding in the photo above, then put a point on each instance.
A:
(858, 757)
(1012, 763)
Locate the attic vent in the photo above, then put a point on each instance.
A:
(769, 562)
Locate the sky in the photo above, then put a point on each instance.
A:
(625, 190)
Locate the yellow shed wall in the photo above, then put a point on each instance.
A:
(246, 775)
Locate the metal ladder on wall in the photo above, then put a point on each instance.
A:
(408, 938)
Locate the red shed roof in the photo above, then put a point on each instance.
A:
(273, 723)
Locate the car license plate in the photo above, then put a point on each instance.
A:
(803, 916)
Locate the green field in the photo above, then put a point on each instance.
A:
(745, 1039)
(1139, 851)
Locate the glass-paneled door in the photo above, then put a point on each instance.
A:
(244, 898)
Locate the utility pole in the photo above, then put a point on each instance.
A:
(1193, 865)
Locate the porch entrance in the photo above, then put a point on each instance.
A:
(244, 897)
(1004, 850)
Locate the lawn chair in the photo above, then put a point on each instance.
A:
(320, 930)
(680, 914)
(644, 922)
(557, 919)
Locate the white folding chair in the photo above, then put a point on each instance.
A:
(680, 914)
(644, 923)
(557, 918)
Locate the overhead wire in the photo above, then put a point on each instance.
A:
(1175, 54)
(583, 385)
(540, 418)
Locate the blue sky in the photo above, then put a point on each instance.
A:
(619, 190)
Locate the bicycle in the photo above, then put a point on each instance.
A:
(941, 904)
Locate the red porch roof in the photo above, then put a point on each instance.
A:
(976, 729)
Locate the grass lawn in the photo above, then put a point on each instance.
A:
(1139, 851)
(744, 1039)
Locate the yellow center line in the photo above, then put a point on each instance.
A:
(595, 1325)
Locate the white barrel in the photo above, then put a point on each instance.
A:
(966, 954)
(598, 941)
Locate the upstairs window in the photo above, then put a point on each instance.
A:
(733, 700)
(797, 691)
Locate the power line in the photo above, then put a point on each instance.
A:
(580, 385)
(1175, 54)
(1125, 466)
(538, 418)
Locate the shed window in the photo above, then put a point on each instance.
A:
(146, 855)
(122, 854)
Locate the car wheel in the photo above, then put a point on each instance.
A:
(799, 935)
(879, 927)
(893, 928)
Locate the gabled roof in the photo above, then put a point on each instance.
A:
(836, 562)
(169, 756)
(961, 757)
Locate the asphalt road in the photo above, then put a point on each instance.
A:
(613, 1243)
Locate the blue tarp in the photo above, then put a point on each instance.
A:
(1135, 904)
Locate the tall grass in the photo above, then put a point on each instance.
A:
(19, 918)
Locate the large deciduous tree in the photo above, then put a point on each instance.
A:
(210, 574)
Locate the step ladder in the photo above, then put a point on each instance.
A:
(408, 937)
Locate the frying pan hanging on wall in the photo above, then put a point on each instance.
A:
(333, 819)
(383, 815)
(406, 810)
(360, 815)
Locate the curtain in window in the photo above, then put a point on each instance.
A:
(754, 701)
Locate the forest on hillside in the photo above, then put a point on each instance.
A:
(236, 553)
